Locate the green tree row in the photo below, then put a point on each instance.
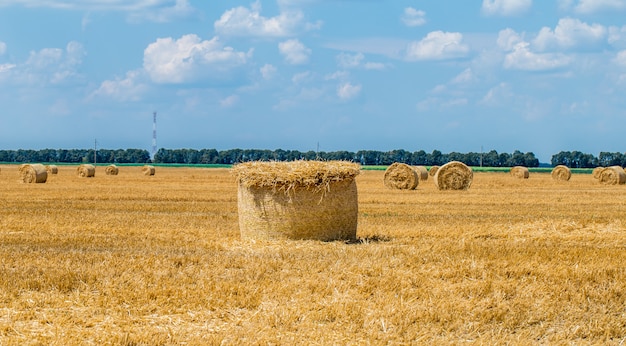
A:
(577, 159)
(75, 156)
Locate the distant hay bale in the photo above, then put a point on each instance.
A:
(401, 176)
(314, 200)
(454, 175)
(520, 172)
(613, 175)
(52, 169)
(433, 170)
(422, 172)
(86, 171)
(148, 170)
(561, 173)
(596, 172)
(35, 173)
(111, 170)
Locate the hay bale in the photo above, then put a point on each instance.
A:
(401, 176)
(454, 175)
(613, 175)
(314, 200)
(86, 171)
(433, 170)
(52, 169)
(561, 173)
(35, 173)
(596, 172)
(422, 172)
(111, 170)
(520, 172)
(148, 170)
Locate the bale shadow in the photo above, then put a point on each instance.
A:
(368, 240)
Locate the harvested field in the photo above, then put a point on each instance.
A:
(160, 261)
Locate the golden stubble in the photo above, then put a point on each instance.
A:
(134, 259)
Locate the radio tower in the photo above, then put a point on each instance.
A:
(154, 144)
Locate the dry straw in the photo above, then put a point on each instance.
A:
(401, 176)
(596, 172)
(297, 200)
(148, 170)
(52, 169)
(561, 173)
(433, 170)
(613, 175)
(454, 175)
(86, 171)
(111, 170)
(35, 173)
(520, 172)
(422, 172)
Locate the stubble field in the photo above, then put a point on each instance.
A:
(136, 260)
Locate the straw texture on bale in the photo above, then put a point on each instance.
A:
(35, 173)
(401, 176)
(433, 170)
(52, 169)
(148, 170)
(422, 172)
(596, 172)
(613, 175)
(86, 171)
(313, 200)
(454, 175)
(561, 172)
(520, 172)
(111, 170)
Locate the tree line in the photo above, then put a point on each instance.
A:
(577, 159)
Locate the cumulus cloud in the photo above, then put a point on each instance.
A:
(413, 17)
(243, 21)
(522, 58)
(294, 51)
(508, 39)
(438, 45)
(50, 65)
(571, 33)
(506, 8)
(595, 6)
(129, 88)
(180, 10)
(189, 59)
(348, 91)
(268, 71)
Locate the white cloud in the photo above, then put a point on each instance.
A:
(50, 65)
(301, 77)
(294, 51)
(508, 39)
(464, 77)
(346, 60)
(498, 95)
(180, 10)
(438, 45)
(413, 17)
(617, 36)
(190, 59)
(129, 88)
(594, 6)
(521, 58)
(242, 21)
(348, 91)
(102, 5)
(620, 58)
(229, 101)
(3, 48)
(506, 7)
(570, 33)
(268, 71)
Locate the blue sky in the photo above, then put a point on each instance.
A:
(465, 76)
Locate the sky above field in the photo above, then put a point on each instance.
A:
(465, 76)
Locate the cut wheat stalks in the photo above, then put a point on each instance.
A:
(35, 173)
(148, 170)
(561, 173)
(401, 176)
(86, 171)
(433, 170)
(520, 172)
(613, 175)
(314, 200)
(111, 170)
(422, 172)
(454, 175)
(52, 169)
(596, 172)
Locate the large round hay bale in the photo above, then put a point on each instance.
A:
(596, 172)
(454, 175)
(561, 173)
(111, 170)
(422, 172)
(520, 172)
(401, 176)
(35, 173)
(613, 175)
(433, 170)
(52, 169)
(148, 170)
(297, 200)
(86, 171)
